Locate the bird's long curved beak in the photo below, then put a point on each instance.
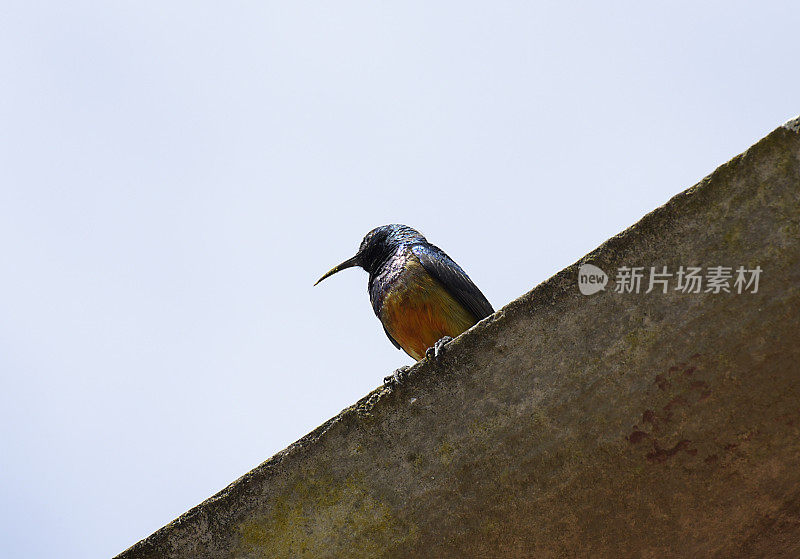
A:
(349, 263)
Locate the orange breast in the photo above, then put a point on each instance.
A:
(418, 312)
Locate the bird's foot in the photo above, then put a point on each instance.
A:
(398, 376)
(438, 348)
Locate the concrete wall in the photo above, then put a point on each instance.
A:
(610, 425)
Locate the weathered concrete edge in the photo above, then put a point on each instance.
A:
(543, 295)
(793, 125)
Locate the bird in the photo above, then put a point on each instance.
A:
(421, 296)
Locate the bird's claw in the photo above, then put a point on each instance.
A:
(438, 348)
(398, 376)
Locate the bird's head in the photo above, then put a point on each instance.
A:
(378, 245)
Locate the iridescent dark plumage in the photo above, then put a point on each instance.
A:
(418, 292)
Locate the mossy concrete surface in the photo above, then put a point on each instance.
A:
(610, 425)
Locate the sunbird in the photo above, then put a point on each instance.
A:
(421, 296)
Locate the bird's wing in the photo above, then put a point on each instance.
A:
(442, 268)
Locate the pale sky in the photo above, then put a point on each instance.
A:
(174, 176)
